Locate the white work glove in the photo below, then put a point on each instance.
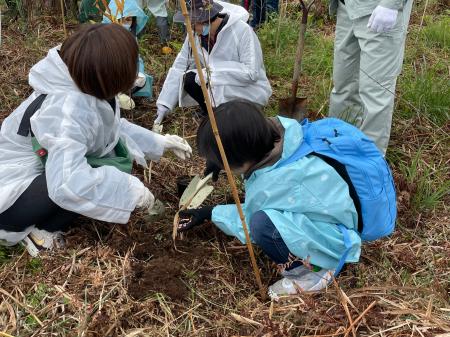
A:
(382, 19)
(157, 128)
(178, 146)
(126, 102)
(205, 75)
(140, 80)
(147, 200)
(161, 111)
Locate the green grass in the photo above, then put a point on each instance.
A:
(6, 253)
(423, 87)
(34, 265)
(279, 43)
(35, 299)
(425, 92)
(437, 33)
(430, 185)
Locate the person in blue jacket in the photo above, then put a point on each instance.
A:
(134, 19)
(293, 211)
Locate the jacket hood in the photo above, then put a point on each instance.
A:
(131, 8)
(236, 13)
(293, 136)
(275, 154)
(51, 75)
(292, 139)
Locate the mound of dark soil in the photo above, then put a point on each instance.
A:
(159, 275)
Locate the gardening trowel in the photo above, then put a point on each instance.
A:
(295, 107)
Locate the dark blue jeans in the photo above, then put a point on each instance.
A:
(267, 237)
(260, 8)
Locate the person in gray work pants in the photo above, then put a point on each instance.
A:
(159, 10)
(368, 56)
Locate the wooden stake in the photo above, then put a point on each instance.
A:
(63, 18)
(220, 146)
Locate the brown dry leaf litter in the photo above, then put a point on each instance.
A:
(117, 280)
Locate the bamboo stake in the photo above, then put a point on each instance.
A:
(63, 18)
(220, 146)
(4, 334)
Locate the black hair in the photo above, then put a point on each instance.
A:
(133, 28)
(211, 19)
(247, 136)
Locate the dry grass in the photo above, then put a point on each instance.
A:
(117, 280)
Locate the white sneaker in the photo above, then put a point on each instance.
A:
(40, 239)
(300, 279)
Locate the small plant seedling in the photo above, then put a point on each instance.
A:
(196, 192)
(34, 265)
(193, 196)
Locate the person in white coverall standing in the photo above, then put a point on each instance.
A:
(230, 53)
(368, 57)
(65, 150)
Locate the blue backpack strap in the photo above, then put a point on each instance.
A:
(348, 246)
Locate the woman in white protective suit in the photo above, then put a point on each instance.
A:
(65, 150)
(230, 53)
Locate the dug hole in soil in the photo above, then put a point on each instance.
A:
(156, 266)
(161, 275)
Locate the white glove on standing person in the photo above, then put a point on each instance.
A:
(147, 200)
(382, 19)
(161, 112)
(178, 146)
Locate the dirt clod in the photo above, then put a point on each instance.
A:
(160, 275)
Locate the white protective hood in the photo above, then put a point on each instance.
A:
(71, 125)
(235, 62)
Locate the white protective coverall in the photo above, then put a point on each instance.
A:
(72, 125)
(235, 62)
(366, 66)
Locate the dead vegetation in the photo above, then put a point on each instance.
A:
(116, 280)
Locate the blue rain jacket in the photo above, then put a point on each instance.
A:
(305, 200)
(131, 8)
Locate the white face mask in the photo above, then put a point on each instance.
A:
(127, 26)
